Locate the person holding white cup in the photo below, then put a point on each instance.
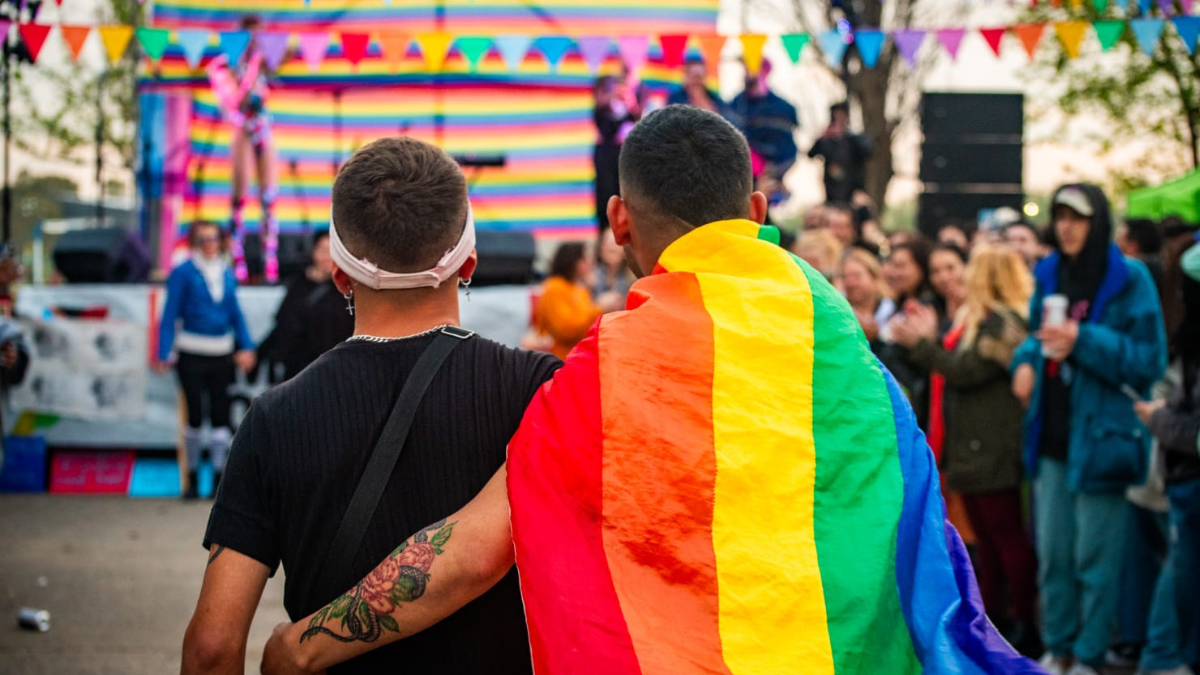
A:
(1098, 328)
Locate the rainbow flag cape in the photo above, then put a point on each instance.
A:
(723, 479)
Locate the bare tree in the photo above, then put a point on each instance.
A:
(887, 96)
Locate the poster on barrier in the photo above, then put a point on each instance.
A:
(88, 369)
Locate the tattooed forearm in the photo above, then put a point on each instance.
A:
(364, 612)
(215, 552)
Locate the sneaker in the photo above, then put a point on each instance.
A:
(1124, 655)
(1082, 669)
(1054, 665)
(1177, 670)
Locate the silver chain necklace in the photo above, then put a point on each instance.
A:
(383, 340)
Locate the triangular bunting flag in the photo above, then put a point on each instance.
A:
(34, 37)
(473, 49)
(233, 43)
(673, 49)
(752, 52)
(313, 47)
(273, 47)
(394, 44)
(1070, 34)
(594, 49)
(1030, 35)
(1144, 7)
(1147, 32)
(1167, 7)
(951, 39)
(795, 44)
(633, 52)
(869, 43)
(833, 46)
(74, 36)
(1186, 5)
(115, 40)
(1100, 6)
(354, 47)
(993, 36)
(1188, 28)
(1108, 32)
(513, 49)
(711, 47)
(553, 48)
(908, 42)
(153, 41)
(434, 47)
(193, 43)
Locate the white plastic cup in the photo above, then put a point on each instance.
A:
(1054, 313)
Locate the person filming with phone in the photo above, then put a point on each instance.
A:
(1097, 327)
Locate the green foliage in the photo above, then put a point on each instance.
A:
(389, 623)
(1153, 101)
(439, 540)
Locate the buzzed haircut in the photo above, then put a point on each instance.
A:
(400, 203)
(686, 164)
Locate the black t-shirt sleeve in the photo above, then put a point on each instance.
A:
(539, 368)
(240, 518)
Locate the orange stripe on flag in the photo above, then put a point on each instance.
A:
(658, 498)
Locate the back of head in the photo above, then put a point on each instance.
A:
(998, 279)
(566, 260)
(1146, 233)
(682, 167)
(400, 203)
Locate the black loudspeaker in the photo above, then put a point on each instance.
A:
(947, 115)
(504, 258)
(935, 209)
(971, 158)
(295, 255)
(947, 163)
(103, 255)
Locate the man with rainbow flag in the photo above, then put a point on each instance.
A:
(721, 479)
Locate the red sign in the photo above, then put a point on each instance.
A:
(93, 473)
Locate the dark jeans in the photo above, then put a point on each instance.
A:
(206, 377)
(1185, 555)
(1003, 554)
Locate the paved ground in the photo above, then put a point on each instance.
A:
(119, 577)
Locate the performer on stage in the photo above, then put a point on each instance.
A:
(203, 335)
(241, 90)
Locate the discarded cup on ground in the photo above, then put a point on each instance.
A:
(34, 619)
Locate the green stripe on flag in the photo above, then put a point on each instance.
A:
(859, 492)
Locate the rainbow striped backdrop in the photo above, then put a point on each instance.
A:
(541, 120)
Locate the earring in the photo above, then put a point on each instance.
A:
(349, 302)
(466, 283)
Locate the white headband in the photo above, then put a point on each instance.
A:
(367, 273)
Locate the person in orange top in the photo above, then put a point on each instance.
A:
(566, 310)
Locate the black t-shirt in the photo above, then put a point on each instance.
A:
(312, 319)
(303, 445)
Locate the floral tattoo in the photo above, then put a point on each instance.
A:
(365, 611)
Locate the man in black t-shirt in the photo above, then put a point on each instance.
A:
(303, 446)
(845, 156)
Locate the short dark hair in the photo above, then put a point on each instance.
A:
(318, 235)
(566, 260)
(687, 164)
(842, 106)
(1146, 233)
(400, 203)
(957, 250)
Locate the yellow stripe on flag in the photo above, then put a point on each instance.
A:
(772, 603)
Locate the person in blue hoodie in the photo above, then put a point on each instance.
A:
(1083, 442)
(203, 325)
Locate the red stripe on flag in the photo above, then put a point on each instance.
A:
(660, 475)
(554, 490)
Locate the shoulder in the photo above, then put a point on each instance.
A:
(182, 271)
(524, 366)
(1139, 273)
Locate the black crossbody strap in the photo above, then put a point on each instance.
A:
(383, 459)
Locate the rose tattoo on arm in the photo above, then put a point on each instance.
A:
(364, 612)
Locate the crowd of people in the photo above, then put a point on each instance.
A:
(1041, 357)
